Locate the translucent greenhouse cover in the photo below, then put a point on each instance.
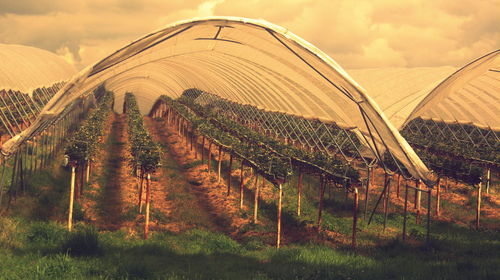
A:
(398, 91)
(24, 68)
(246, 61)
(469, 96)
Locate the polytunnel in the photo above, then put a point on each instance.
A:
(244, 61)
(25, 68)
(29, 77)
(469, 95)
(446, 112)
(398, 90)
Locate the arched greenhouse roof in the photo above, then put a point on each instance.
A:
(470, 95)
(399, 90)
(24, 68)
(246, 61)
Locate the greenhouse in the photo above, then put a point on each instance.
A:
(430, 106)
(254, 133)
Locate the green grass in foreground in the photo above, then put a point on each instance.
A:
(45, 250)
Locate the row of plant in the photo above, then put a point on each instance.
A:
(299, 129)
(459, 170)
(269, 164)
(313, 162)
(438, 138)
(145, 152)
(83, 144)
(17, 108)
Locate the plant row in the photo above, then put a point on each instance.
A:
(269, 164)
(313, 162)
(145, 152)
(17, 107)
(84, 143)
(437, 138)
(443, 166)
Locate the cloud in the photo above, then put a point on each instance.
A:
(356, 34)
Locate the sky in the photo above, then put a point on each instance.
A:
(355, 33)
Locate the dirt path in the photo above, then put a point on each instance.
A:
(224, 209)
(208, 198)
(109, 203)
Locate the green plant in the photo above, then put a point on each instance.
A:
(145, 152)
(84, 143)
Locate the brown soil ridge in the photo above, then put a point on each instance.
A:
(222, 208)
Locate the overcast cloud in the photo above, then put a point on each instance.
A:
(357, 34)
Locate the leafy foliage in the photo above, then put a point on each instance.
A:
(84, 142)
(268, 155)
(21, 108)
(442, 138)
(145, 152)
(316, 162)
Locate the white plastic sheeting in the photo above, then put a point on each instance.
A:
(398, 91)
(469, 96)
(24, 68)
(246, 61)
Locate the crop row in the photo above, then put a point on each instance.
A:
(145, 152)
(84, 142)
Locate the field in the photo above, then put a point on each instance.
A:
(198, 231)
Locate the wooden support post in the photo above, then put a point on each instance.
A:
(202, 149)
(478, 205)
(141, 190)
(299, 192)
(191, 142)
(219, 165)
(438, 197)
(229, 174)
(21, 172)
(87, 177)
(428, 236)
(405, 212)
(385, 193)
(398, 185)
(256, 199)
(241, 185)
(418, 196)
(354, 218)
(148, 202)
(209, 157)
(77, 181)
(280, 198)
(387, 201)
(368, 182)
(320, 205)
(196, 147)
(488, 179)
(71, 198)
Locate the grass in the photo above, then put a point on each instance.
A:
(34, 246)
(46, 251)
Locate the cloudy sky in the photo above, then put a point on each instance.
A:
(356, 33)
